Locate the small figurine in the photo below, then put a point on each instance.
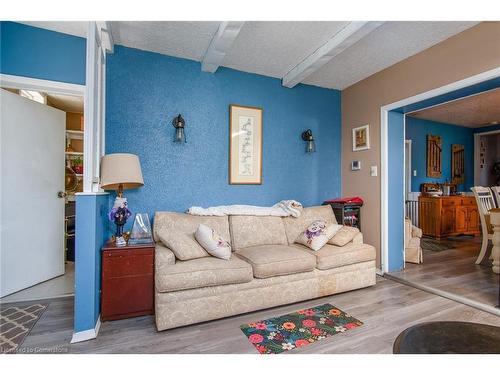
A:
(119, 214)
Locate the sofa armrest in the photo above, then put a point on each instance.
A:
(358, 238)
(163, 257)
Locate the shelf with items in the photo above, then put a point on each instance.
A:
(74, 154)
(74, 134)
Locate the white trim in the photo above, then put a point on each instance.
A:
(27, 83)
(88, 334)
(384, 110)
(346, 37)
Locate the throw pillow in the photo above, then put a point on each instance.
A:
(212, 242)
(317, 234)
(344, 236)
(183, 245)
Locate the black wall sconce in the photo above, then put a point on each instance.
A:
(307, 136)
(178, 123)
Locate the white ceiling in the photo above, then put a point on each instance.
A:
(274, 48)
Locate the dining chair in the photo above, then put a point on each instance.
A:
(496, 193)
(485, 202)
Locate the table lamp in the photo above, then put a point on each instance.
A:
(120, 172)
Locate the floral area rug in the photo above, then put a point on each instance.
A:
(303, 327)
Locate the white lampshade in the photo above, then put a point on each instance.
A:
(124, 169)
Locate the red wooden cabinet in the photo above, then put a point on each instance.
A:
(127, 285)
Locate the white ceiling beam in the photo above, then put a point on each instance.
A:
(106, 35)
(220, 45)
(350, 34)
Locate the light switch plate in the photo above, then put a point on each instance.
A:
(414, 173)
(373, 171)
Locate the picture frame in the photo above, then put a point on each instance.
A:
(361, 138)
(245, 145)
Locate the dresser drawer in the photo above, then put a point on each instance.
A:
(451, 202)
(114, 265)
(468, 201)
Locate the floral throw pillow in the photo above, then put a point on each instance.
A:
(212, 242)
(317, 234)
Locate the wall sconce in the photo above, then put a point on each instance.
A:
(307, 136)
(178, 123)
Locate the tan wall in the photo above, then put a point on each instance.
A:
(471, 52)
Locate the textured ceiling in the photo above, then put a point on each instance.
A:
(474, 111)
(385, 46)
(274, 48)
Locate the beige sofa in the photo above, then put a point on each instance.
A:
(267, 268)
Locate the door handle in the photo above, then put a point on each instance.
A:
(61, 194)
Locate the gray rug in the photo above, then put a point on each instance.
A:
(16, 323)
(434, 245)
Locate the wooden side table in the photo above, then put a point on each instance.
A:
(127, 284)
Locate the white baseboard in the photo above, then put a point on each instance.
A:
(88, 334)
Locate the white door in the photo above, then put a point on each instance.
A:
(32, 141)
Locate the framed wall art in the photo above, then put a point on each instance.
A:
(361, 138)
(245, 145)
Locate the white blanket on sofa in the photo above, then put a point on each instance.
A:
(282, 208)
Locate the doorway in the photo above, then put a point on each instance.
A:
(42, 139)
(394, 171)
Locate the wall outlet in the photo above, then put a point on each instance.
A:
(373, 171)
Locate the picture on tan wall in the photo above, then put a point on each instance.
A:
(361, 138)
(245, 145)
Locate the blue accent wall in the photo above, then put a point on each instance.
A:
(146, 90)
(38, 53)
(418, 129)
(396, 188)
(91, 234)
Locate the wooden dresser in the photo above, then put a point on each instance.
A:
(448, 216)
(127, 287)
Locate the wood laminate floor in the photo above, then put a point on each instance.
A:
(454, 271)
(386, 309)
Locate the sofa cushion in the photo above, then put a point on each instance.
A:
(256, 230)
(344, 236)
(331, 256)
(183, 245)
(295, 226)
(202, 272)
(277, 260)
(184, 223)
